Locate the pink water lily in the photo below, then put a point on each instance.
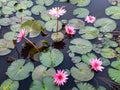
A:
(57, 11)
(96, 64)
(70, 30)
(21, 35)
(90, 19)
(60, 77)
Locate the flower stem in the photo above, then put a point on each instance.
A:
(31, 43)
(57, 26)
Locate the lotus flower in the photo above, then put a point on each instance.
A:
(70, 30)
(90, 19)
(60, 77)
(57, 12)
(21, 35)
(96, 64)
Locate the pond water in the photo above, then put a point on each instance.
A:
(97, 9)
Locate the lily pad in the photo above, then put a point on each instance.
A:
(5, 47)
(10, 36)
(5, 21)
(8, 10)
(105, 61)
(114, 2)
(51, 25)
(114, 72)
(89, 32)
(85, 86)
(51, 58)
(9, 85)
(101, 88)
(105, 24)
(108, 53)
(45, 2)
(76, 23)
(41, 71)
(37, 9)
(15, 28)
(80, 46)
(87, 57)
(81, 12)
(23, 13)
(80, 3)
(82, 72)
(46, 84)
(18, 70)
(118, 50)
(113, 12)
(33, 26)
(76, 59)
(28, 4)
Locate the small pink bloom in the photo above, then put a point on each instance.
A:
(90, 19)
(57, 12)
(21, 35)
(70, 30)
(100, 38)
(96, 64)
(60, 77)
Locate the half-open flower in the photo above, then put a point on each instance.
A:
(96, 64)
(70, 30)
(57, 11)
(60, 77)
(90, 19)
(21, 35)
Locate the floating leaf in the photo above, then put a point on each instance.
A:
(5, 21)
(76, 23)
(101, 88)
(87, 57)
(114, 72)
(5, 47)
(28, 4)
(33, 26)
(82, 72)
(113, 12)
(118, 49)
(105, 24)
(18, 70)
(45, 2)
(80, 46)
(108, 53)
(41, 71)
(114, 2)
(23, 13)
(85, 86)
(76, 59)
(15, 28)
(10, 36)
(46, 84)
(51, 58)
(37, 9)
(105, 61)
(11, 3)
(80, 3)
(9, 85)
(89, 32)
(81, 12)
(8, 10)
(51, 25)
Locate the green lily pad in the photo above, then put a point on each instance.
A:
(41, 71)
(46, 84)
(80, 46)
(45, 2)
(89, 32)
(118, 49)
(15, 28)
(10, 36)
(76, 23)
(9, 85)
(85, 86)
(101, 88)
(51, 58)
(28, 4)
(61, 0)
(105, 61)
(105, 24)
(108, 53)
(80, 3)
(8, 10)
(76, 59)
(37, 9)
(114, 2)
(51, 25)
(18, 70)
(87, 57)
(114, 72)
(82, 72)
(23, 13)
(81, 12)
(11, 3)
(5, 47)
(113, 12)
(33, 26)
(5, 21)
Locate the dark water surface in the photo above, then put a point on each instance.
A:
(97, 9)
